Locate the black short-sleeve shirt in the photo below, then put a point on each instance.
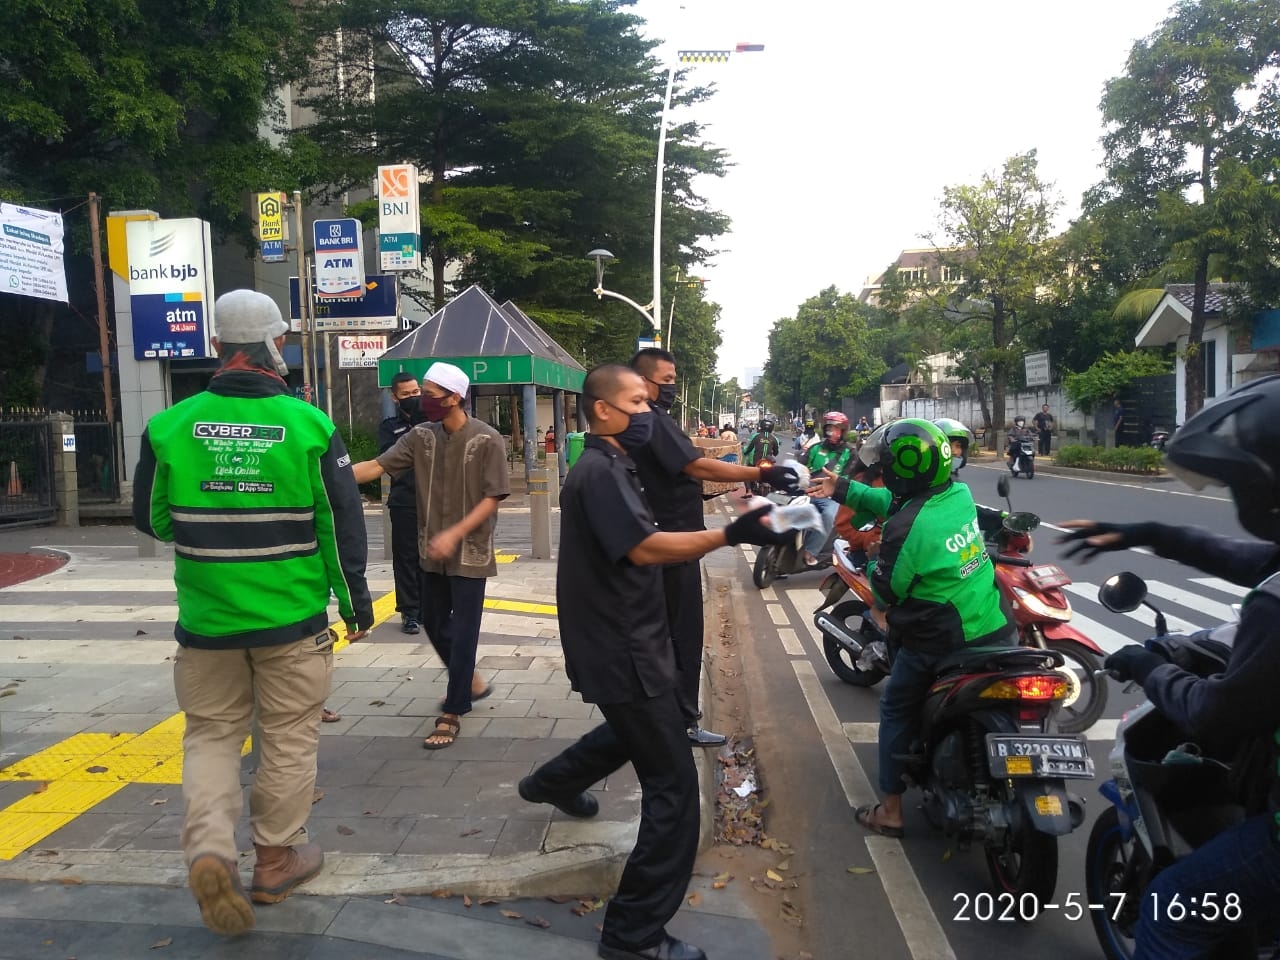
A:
(613, 614)
(675, 496)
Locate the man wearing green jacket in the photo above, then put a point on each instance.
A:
(933, 574)
(254, 490)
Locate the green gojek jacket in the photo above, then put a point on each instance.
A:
(255, 491)
(934, 575)
(822, 457)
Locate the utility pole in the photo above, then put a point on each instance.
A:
(104, 344)
(304, 297)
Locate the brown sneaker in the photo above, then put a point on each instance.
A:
(281, 869)
(215, 882)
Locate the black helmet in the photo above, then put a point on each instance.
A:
(767, 425)
(1233, 442)
(955, 430)
(915, 456)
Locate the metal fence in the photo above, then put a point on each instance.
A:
(98, 445)
(26, 467)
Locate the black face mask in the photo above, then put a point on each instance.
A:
(638, 430)
(666, 394)
(411, 410)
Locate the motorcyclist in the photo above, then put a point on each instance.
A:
(831, 454)
(808, 437)
(1017, 433)
(762, 445)
(990, 520)
(938, 600)
(1232, 443)
(863, 429)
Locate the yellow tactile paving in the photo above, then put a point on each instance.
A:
(73, 784)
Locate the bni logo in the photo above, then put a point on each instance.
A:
(161, 244)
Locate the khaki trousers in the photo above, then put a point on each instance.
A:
(218, 690)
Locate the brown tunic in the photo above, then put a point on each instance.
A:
(453, 473)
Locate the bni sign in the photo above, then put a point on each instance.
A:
(339, 250)
(170, 288)
(399, 218)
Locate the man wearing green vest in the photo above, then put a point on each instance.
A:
(933, 575)
(832, 455)
(254, 490)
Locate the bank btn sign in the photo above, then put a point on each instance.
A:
(339, 255)
(170, 288)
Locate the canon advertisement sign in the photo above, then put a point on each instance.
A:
(170, 288)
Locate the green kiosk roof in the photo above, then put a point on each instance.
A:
(497, 346)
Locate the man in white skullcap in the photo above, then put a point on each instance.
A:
(254, 490)
(460, 474)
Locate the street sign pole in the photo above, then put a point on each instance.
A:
(303, 300)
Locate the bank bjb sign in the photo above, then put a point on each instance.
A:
(170, 288)
(360, 351)
(339, 258)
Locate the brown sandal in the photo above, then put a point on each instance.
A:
(446, 732)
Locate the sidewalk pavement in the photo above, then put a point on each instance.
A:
(90, 764)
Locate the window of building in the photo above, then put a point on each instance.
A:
(951, 274)
(1209, 349)
(910, 274)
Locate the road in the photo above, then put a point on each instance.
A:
(816, 737)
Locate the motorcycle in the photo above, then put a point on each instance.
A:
(758, 488)
(774, 562)
(855, 642)
(1160, 437)
(1024, 458)
(1168, 796)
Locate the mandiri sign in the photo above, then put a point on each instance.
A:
(31, 249)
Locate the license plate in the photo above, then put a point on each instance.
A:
(1015, 756)
(1048, 576)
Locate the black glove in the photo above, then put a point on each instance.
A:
(1131, 535)
(782, 478)
(1134, 662)
(750, 528)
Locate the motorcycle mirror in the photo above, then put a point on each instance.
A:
(1021, 522)
(1123, 593)
(1002, 487)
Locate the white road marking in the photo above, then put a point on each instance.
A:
(1113, 483)
(777, 614)
(769, 595)
(1109, 640)
(1143, 615)
(750, 555)
(1222, 586)
(862, 732)
(1192, 601)
(790, 642)
(920, 926)
(1104, 729)
(814, 635)
(853, 779)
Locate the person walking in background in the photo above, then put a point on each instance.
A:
(618, 655)
(1117, 418)
(255, 561)
(460, 477)
(401, 504)
(1043, 422)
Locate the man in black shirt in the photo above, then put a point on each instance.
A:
(401, 503)
(618, 655)
(672, 469)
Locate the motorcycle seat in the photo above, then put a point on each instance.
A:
(991, 658)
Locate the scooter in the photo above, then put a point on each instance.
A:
(1024, 459)
(1042, 613)
(773, 563)
(1168, 796)
(1160, 437)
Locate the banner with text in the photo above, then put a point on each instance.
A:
(376, 310)
(31, 251)
(362, 351)
(339, 246)
(170, 288)
(399, 218)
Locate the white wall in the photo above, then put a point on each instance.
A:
(967, 410)
(1220, 335)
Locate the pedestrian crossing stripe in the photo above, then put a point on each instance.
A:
(704, 56)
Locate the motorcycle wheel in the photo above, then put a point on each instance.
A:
(1084, 705)
(1031, 471)
(1027, 862)
(842, 662)
(766, 568)
(1105, 864)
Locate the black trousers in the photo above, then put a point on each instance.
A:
(1044, 442)
(451, 611)
(650, 735)
(404, 559)
(682, 585)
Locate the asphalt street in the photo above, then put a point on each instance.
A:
(816, 736)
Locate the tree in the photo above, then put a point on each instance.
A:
(1102, 382)
(996, 237)
(1196, 96)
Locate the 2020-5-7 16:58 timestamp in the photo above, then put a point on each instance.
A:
(1006, 907)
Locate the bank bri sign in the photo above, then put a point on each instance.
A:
(339, 246)
(170, 288)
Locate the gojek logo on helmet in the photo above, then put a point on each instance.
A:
(912, 457)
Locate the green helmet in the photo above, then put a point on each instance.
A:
(955, 430)
(915, 456)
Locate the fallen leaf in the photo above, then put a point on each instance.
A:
(345, 830)
(511, 915)
(470, 833)
(157, 801)
(70, 881)
(143, 633)
(98, 769)
(377, 703)
(769, 843)
(489, 901)
(784, 865)
(946, 857)
(790, 913)
(861, 870)
(466, 901)
(442, 894)
(539, 922)
(397, 899)
(775, 877)
(167, 940)
(40, 787)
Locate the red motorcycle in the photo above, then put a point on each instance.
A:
(854, 636)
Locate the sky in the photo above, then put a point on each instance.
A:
(844, 131)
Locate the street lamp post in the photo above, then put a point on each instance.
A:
(600, 256)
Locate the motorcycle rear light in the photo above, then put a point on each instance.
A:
(1036, 687)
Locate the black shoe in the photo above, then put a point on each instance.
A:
(669, 949)
(705, 738)
(582, 805)
(410, 625)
